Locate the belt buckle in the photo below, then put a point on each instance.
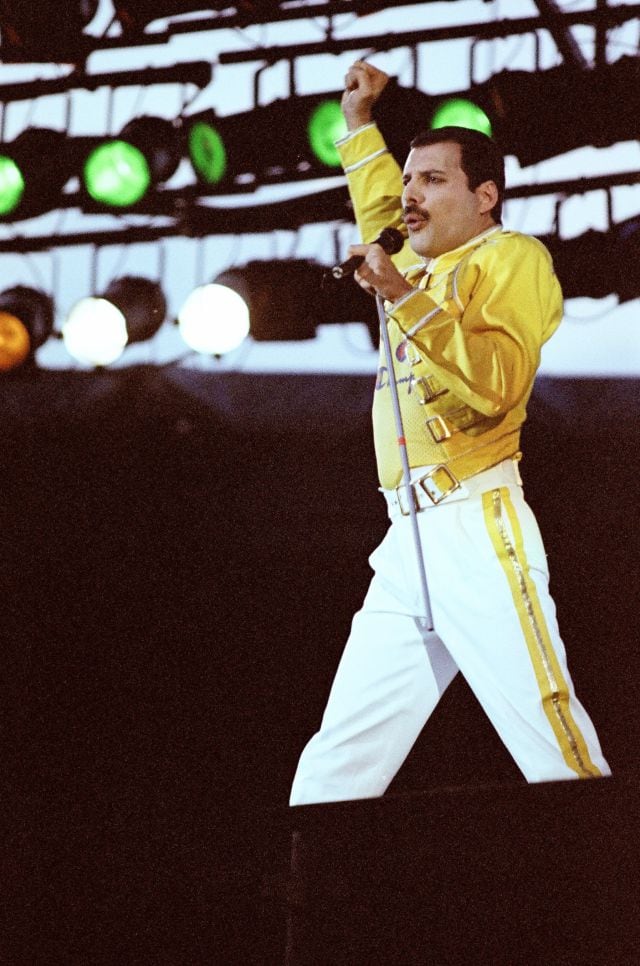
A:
(401, 490)
(439, 493)
(438, 429)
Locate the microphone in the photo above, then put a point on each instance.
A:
(390, 241)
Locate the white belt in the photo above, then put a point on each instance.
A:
(433, 485)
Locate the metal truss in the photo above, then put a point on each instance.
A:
(559, 30)
(199, 220)
(604, 18)
(199, 73)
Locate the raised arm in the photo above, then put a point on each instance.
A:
(373, 175)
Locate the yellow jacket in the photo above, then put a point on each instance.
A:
(466, 341)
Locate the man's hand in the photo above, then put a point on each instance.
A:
(363, 85)
(378, 274)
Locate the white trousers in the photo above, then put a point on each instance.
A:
(494, 620)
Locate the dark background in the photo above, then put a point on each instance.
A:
(182, 554)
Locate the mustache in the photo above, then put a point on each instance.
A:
(414, 210)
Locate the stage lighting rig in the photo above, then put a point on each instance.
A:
(33, 171)
(32, 32)
(118, 172)
(135, 15)
(98, 328)
(214, 319)
(288, 139)
(26, 322)
(599, 263)
(533, 115)
(461, 112)
(273, 301)
(206, 146)
(280, 296)
(142, 304)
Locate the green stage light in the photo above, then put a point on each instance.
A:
(207, 152)
(117, 174)
(12, 185)
(459, 112)
(286, 140)
(326, 125)
(33, 171)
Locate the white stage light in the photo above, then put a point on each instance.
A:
(95, 332)
(214, 320)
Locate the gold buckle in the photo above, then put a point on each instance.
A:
(439, 494)
(436, 494)
(438, 429)
(428, 390)
(400, 489)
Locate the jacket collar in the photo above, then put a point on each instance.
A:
(446, 261)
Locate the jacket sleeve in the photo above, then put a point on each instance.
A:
(484, 342)
(375, 186)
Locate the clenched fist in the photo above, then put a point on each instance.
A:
(363, 85)
(378, 274)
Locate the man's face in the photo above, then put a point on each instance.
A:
(440, 210)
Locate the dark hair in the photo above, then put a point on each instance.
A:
(481, 158)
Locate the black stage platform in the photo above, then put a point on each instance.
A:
(182, 553)
(491, 875)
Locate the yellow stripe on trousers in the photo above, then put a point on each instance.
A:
(553, 687)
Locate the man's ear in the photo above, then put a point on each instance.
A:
(487, 194)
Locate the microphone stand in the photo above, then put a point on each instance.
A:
(404, 459)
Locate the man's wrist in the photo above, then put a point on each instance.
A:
(398, 290)
(354, 121)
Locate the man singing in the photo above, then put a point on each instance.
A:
(469, 306)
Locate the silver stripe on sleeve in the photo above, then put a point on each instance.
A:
(403, 298)
(423, 321)
(360, 164)
(454, 286)
(351, 134)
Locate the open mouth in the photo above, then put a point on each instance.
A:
(414, 222)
